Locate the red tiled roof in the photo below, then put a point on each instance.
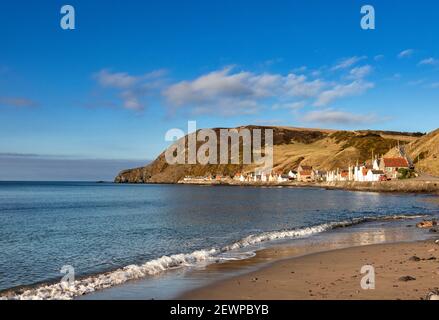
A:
(305, 172)
(396, 163)
(306, 168)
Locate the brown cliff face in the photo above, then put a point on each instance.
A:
(322, 149)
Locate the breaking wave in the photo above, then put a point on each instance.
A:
(86, 285)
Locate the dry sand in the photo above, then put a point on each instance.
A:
(336, 275)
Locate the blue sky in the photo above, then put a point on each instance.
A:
(132, 70)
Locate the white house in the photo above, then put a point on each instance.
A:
(282, 178)
(339, 175)
(271, 178)
(292, 175)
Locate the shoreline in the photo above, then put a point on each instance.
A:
(92, 283)
(217, 274)
(403, 271)
(201, 280)
(402, 186)
(398, 186)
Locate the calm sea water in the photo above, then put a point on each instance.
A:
(102, 227)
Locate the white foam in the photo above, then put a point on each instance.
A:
(106, 280)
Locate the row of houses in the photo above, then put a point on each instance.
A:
(381, 169)
(265, 177)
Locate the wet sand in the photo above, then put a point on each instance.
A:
(336, 275)
(235, 279)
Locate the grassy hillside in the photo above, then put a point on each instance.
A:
(424, 152)
(323, 149)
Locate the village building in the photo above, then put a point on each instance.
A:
(360, 173)
(239, 177)
(271, 178)
(344, 175)
(340, 175)
(391, 166)
(292, 175)
(305, 174)
(377, 175)
(320, 175)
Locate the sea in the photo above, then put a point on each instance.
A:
(106, 235)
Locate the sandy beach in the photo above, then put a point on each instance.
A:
(403, 271)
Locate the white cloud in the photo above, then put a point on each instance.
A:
(343, 90)
(291, 106)
(316, 73)
(299, 86)
(331, 116)
(406, 53)
(239, 92)
(379, 57)
(360, 72)
(228, 108)
(228, 91)
(429, 61)
(347, 62)
(118, 80)
(210, 87)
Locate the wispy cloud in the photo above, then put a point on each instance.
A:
(119, 80)
(131, 88)
(354, 88)
(289, 106)
(231, 92)
(301, 69)
(331, 116)
(429, 61)
(348, 62)
(17, 102)
(271, 62)
(406, 53)
(360, 72)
